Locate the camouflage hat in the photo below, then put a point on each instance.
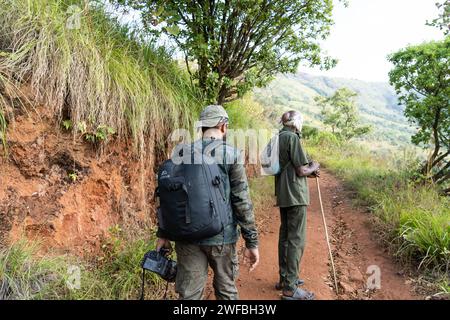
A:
(211, 116)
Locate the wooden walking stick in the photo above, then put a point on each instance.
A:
(326, 235)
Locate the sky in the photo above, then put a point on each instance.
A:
(368, 30)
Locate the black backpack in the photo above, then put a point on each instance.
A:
(193, 204)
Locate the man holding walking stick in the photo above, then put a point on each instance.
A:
(291, 190)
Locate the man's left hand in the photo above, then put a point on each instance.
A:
(315, 174)
(251, 257)
(162, 243)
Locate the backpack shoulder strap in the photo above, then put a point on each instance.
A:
(287, 164)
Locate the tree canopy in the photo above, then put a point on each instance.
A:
(421, 77)
(340, 112)
(231, 46)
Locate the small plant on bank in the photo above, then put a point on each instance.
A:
(67, 125)
(101, 134)
(73, 176)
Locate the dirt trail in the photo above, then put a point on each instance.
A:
(354, 249)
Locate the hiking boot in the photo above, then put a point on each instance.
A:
(280, 286)
(298, 294)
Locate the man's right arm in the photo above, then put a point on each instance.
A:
(243, 210)
(306, 171)
(303, 168)
(242, 204)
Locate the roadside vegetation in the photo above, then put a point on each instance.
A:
(115, 273)
(421, 87)
(102, 83)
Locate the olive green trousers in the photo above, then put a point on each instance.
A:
(291, 244)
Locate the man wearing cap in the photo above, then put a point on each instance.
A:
(219, 252)
(291, 189)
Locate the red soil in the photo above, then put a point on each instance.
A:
(39, 200)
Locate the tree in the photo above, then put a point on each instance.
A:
(340, 112)
(443, 20)
(236, 45)
(421, 77)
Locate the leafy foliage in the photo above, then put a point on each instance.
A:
(101, 134)
(309, 132)
(67, 124)
(421, 79)
(240, 44)
(443, 21)
(246, 113)
(340, 112)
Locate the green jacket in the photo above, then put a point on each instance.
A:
(291, 190)
(236, 191)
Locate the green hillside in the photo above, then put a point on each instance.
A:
(377, 103)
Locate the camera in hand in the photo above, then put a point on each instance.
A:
(158, 263)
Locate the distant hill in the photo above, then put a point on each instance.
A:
(378, 104)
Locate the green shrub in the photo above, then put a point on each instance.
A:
(246, 113)
(325, 139)
(309, 132)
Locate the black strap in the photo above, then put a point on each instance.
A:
(289, 162)
(187, 212)
(143, 284)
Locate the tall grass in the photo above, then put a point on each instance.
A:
(3, 105)
(413, 218)
(24, 275)
(98, 74)
(116, 274)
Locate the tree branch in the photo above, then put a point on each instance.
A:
(442, 173)
(440, 158)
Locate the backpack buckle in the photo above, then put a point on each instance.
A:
(216, 181)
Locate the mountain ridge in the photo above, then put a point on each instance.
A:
(377, 102)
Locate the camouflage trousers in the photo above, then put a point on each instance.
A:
(192, 270)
